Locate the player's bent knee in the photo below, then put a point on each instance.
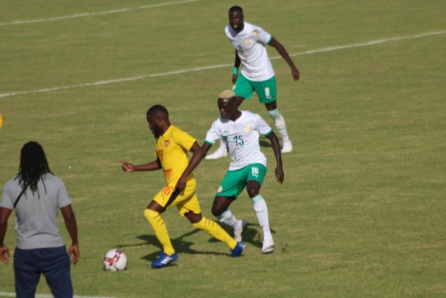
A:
(216, 211)
(253, 188)
(150, 214)
(253, 192)
(192, 217)
(275, 114)
(199, 225)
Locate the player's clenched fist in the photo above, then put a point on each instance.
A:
(126, 166)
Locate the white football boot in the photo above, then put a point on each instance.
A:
(219, 153)
(287, 147)
(268, 246)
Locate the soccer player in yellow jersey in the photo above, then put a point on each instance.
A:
(172, 146)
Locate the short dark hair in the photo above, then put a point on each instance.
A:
(236, 8)
(158, 110)
(33, 165)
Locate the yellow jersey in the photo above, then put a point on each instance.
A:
(172, 150)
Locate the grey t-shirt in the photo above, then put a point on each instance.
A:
(37, 212)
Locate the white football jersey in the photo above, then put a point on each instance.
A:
(250, 45)
(242, 136)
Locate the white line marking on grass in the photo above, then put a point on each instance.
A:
(116, 80)
(147, 76)
(89, 14)
(369, 43)
(8, 294)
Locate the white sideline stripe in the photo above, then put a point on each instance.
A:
(8, 294)
(369, 43)
(88, 14)
(115, 81)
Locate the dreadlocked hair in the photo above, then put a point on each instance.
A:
(33, 165)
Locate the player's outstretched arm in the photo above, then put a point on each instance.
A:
(151, 166)
(281, 49)
(280, 176)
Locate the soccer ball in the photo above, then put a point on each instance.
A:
(115, 260)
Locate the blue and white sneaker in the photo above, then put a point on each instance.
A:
(238, 249)
(164, 260)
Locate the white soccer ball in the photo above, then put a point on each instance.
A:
(115, 260)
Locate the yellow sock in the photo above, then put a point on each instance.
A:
(215, 231)
(160, 229)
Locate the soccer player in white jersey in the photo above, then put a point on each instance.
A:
(241, 129)
(257, 73)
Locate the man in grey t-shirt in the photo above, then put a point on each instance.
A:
(37, 195)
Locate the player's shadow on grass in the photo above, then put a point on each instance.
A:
(180, 245)
(250, 235)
